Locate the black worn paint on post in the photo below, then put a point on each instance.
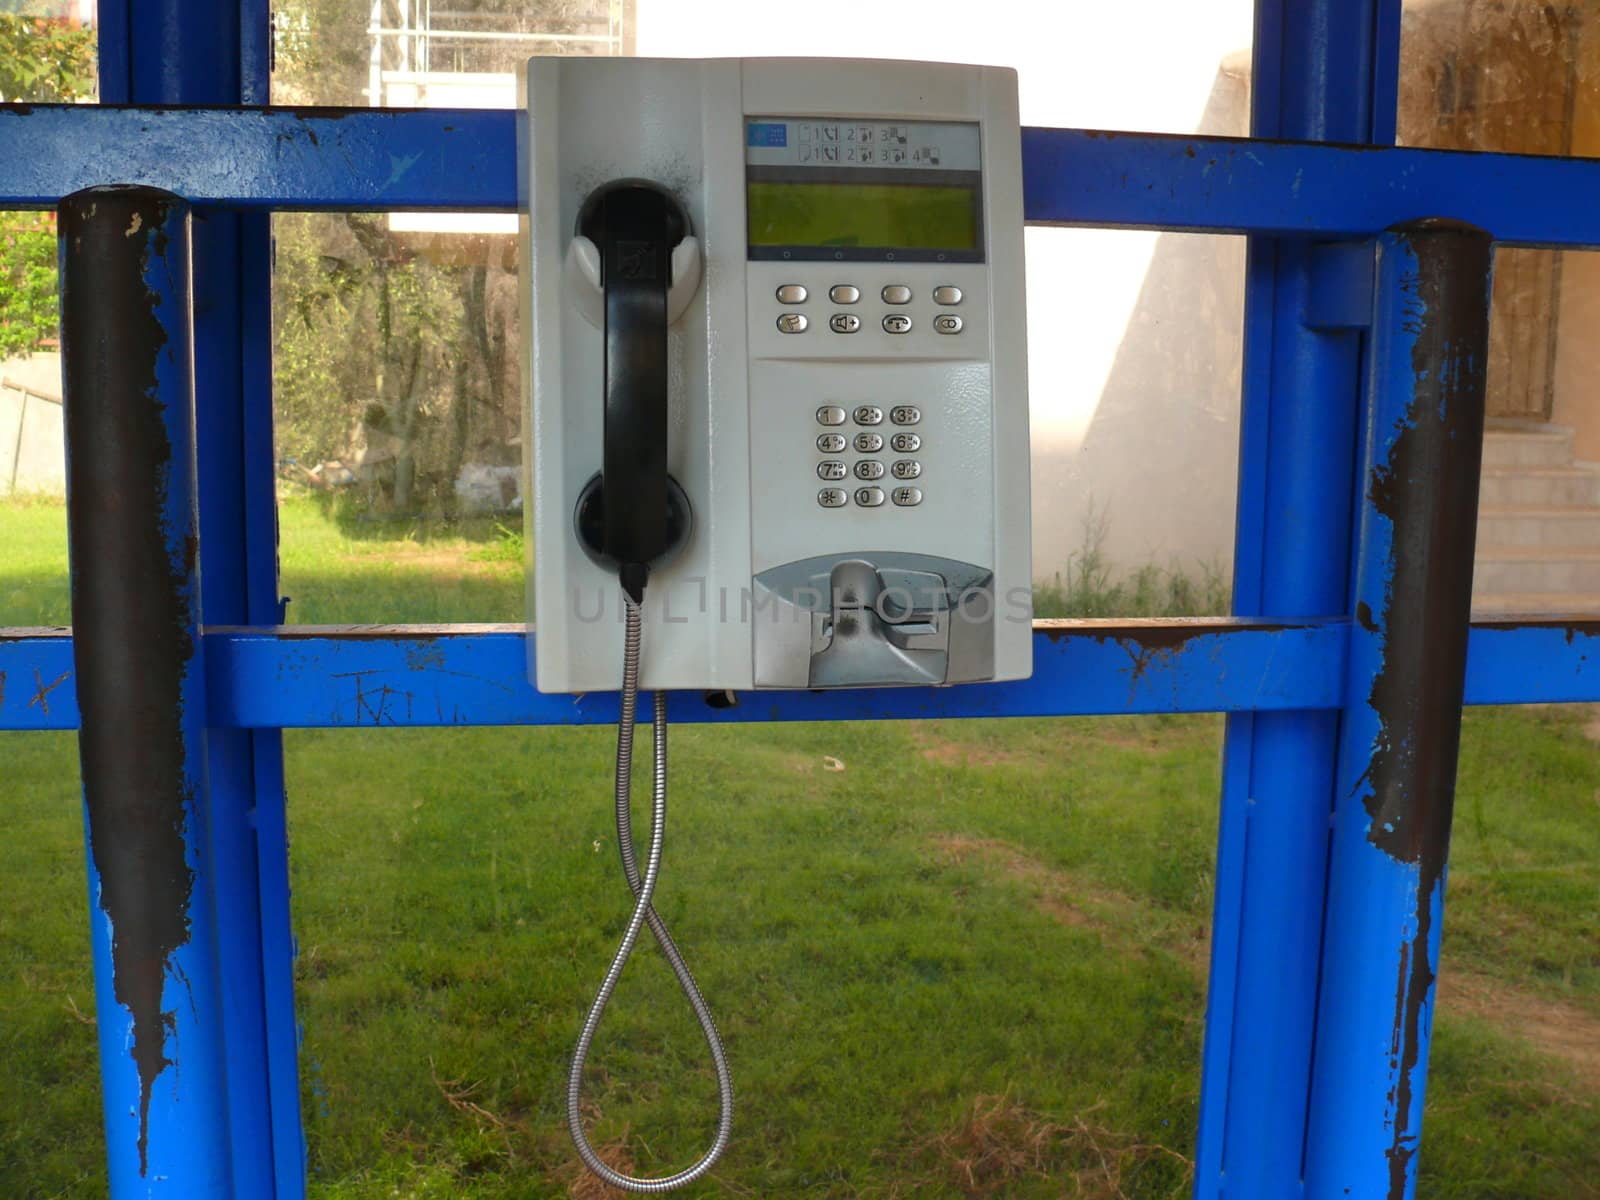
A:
(132, 606)
(1428, 489)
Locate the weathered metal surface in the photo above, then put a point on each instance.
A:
(1525, 661)
(1401, 731)
(262, 158)
(140, 685)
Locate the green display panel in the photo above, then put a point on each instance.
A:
(890, 216)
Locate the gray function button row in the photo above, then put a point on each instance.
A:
(894, 323)
(869, 414)
(946, 294)
(844, 293)
(905, 443)
(831, 470)
(869, 497)
(869, 443)
(869, 468)
(844, 322)
(831, 443)
(905, 414)
(792, 323)
(908, 497)
(792, 293)
(830, 414)
(832, 497)
(947, 323)
(907, 468)
(897, 293)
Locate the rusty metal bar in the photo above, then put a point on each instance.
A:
(1402, 722)
(140, 674)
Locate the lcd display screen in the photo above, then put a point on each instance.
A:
(842, 215)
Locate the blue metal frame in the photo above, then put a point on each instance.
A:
(1292, 671)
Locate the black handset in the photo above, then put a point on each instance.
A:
(633, 516)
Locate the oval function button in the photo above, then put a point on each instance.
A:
(794, 293)
(869, 497)
(897, 293)
(946, 294)
(894, 323)
(832, 497)
(947, 323)
(908, 497)
(831, 470)
(905, 443)
(844, 293)
(831, 443)
(792, 323)
(869, 414)
(844, 322)
(869, 443)
(907, 468)
(905, 414)
(869, 468)
(830, 414)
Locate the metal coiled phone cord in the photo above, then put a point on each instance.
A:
(645, 914)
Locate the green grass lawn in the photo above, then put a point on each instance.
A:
(971, 962)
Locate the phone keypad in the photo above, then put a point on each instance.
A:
(869, 470)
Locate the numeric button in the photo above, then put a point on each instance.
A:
(831, 443)
(904, 414)
(869, 443)
(907, 468)
(869, 497)
(870, 414)
(905, 443)
(830, 414)
(869, 468)
(831, 470)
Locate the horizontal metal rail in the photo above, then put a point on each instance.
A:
(463, 159)
(417, 675)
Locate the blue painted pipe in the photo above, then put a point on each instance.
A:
(1401, 731)
(133, 539)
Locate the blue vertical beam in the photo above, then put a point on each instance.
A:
(133, 538)
(1317, 77)
(1402, 725)
(174, 52)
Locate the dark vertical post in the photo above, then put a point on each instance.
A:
(172, 52)
(133, 538)
(1422, 449)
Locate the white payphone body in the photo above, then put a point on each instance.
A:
(776, 371)
(846, 422)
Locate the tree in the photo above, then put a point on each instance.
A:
(47, 62)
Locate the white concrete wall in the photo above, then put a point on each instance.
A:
(32, 448)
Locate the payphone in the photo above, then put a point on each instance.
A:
(778, 421)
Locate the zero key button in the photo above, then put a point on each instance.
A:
(947, 323)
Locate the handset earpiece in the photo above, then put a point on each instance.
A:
(633, 516)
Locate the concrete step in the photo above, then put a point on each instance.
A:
(1544, 604)
(1538, 487)
(1532, 525)
(1527, 446)
(1571, 569)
